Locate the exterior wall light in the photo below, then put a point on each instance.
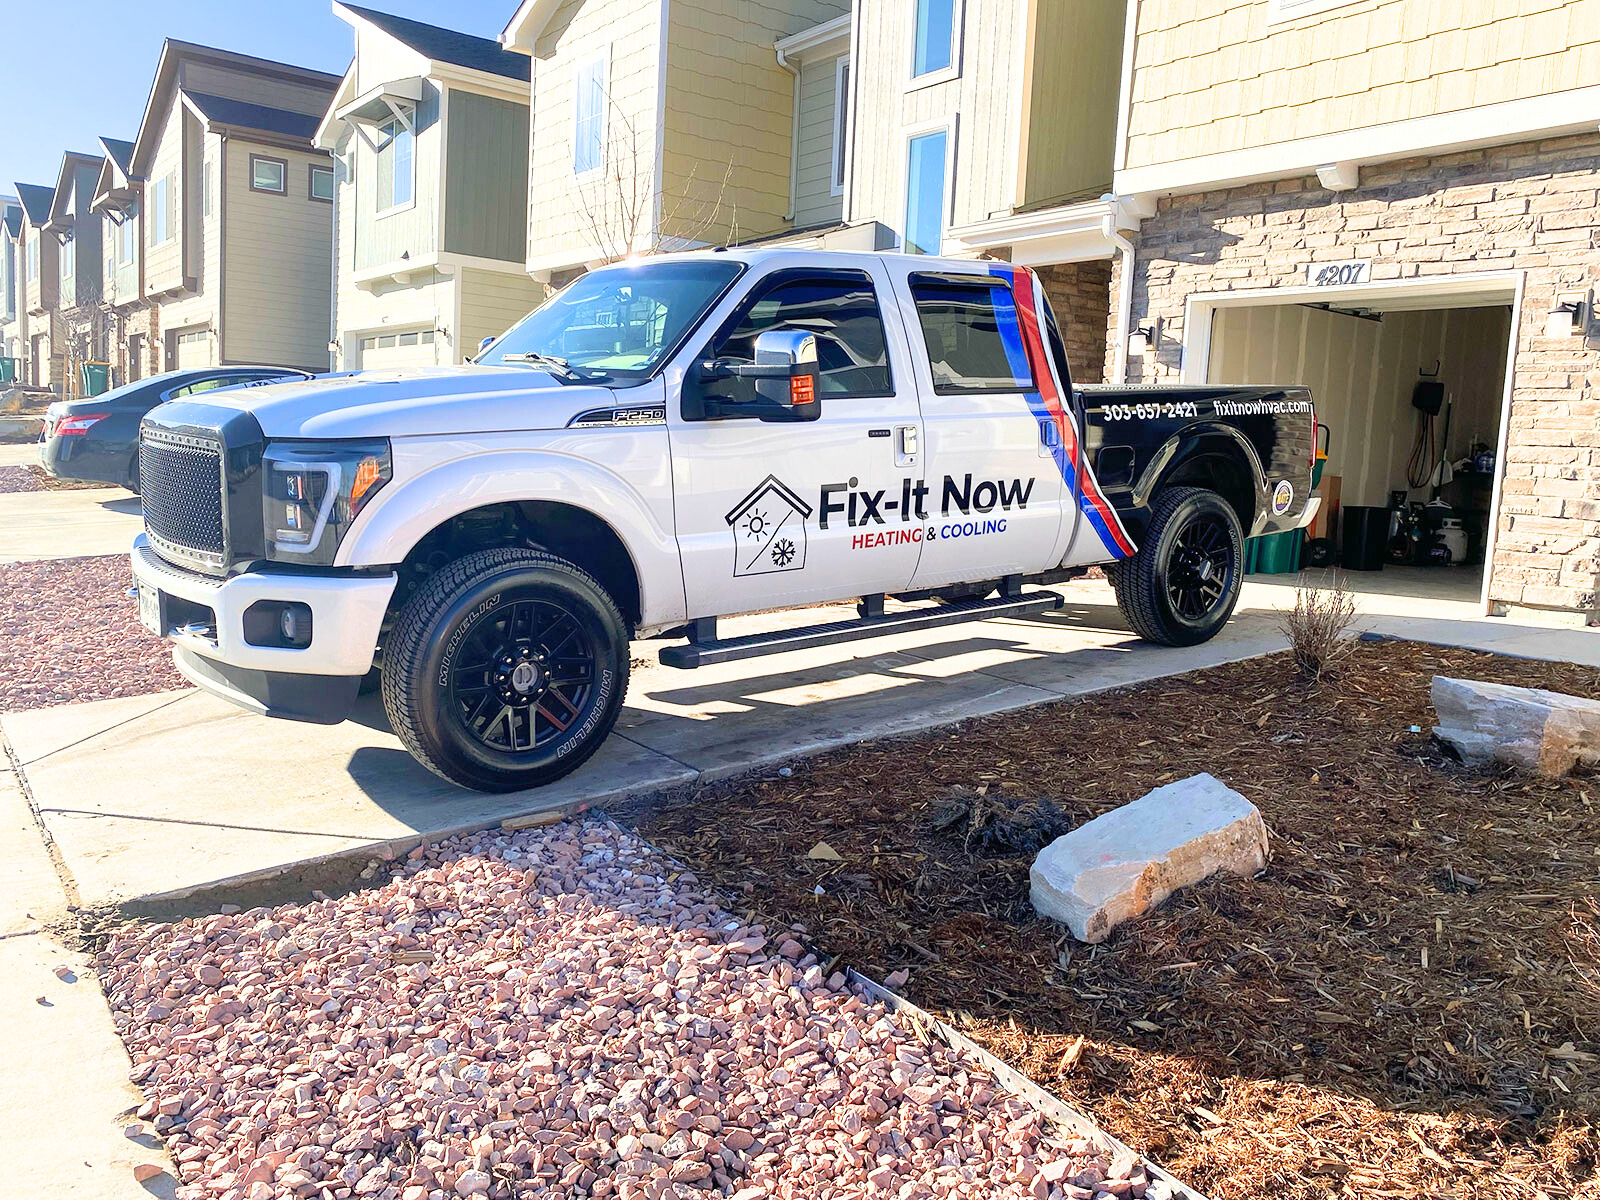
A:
(1565, 319)
(1144, 338)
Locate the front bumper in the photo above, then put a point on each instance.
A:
(203, 617)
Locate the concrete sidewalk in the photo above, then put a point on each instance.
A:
(67, 524)
(157, 796)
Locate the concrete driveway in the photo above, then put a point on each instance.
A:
(66, 524)
(153, 797)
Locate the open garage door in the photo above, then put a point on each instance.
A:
(1412, 389)
(403, 348)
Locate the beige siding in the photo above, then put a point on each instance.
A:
(729, 115)
(164, 263)
(1070, 128)
(814, 200)
(984, 94)
(491, 302)
(570, 217)
(240, 83)
(380, 59)
(278, 256)
(1222, 75)
(44, 289)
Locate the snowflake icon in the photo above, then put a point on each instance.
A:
(783, 552)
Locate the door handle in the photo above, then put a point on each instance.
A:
(907, 445)
(1049, 434)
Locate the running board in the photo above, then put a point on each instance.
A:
(720, 650)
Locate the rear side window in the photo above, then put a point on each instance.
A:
(842, 310)
(972, 334)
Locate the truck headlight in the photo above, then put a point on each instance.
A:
(314, 490)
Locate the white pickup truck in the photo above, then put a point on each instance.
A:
(666, 442)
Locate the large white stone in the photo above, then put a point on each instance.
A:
(1129, 860)
(1545, 732)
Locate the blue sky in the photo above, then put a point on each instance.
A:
(106, 51)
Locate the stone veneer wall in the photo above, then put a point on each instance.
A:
(1080, 294)
(1530, 207)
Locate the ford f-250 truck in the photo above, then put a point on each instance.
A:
(670, 441)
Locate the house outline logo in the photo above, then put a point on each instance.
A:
(769, 530)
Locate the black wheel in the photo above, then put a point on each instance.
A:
(506, 670)
(1182, 585)
(133, 473)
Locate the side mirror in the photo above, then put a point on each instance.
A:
(485, 344)
(785, 377)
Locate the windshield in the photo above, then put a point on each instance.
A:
(614, 325)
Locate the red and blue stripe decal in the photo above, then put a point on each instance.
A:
(1022, 330)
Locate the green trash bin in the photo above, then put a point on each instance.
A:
(1274, 554)
(94, 378)
(8, 370)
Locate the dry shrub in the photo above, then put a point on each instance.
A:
(1317, 624)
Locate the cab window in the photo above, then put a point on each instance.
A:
(840, 308)
(972, 335)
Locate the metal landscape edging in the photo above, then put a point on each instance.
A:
(1019, 1084)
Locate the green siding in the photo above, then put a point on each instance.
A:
(1072, 128)
(383, 239)
(486, 177)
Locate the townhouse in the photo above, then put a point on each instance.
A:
(129, 315)
(38, 322)
(1393, 201)
(80, 320)
(429, 132)
(659, 126)
(232, 207)
(988, 127)
(11, 337)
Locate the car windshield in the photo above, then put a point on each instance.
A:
(614, 325)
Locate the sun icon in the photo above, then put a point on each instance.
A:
(757, 524)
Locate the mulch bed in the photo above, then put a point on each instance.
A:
(15, 478)
(69, 632)
(1406, 1003)
(51, 483)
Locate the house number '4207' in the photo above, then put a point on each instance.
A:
(1338, 274)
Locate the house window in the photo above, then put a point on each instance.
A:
(841, 124)
(927, 179)
(269, 174)
(205, 189)
(69, 258)
(125, 235)
(397, 166)
(160, 210)
(33, 258)
(934, 43)
(589, 118)
(973, 335)
(319, 183)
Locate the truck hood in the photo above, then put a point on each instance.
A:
(413, 402)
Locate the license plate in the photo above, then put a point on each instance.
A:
(150, 609)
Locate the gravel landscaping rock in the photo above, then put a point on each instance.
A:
(18, 479)
(69, 632)
(551, 1013)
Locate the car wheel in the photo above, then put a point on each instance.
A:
(133, 474)
(506, 670)
(1182, 585)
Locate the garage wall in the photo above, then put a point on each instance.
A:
(1361, 374)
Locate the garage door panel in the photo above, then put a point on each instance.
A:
(403, 348)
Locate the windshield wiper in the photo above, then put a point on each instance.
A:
(563, 369)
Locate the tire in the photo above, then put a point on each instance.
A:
(498, 727)
(1182, 585)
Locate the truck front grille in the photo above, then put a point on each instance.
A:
(181, 486)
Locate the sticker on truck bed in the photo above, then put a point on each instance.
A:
(1023, 332)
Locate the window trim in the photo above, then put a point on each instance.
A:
(784, 276)
(311, 186)
(67, 258)
(910, 134)
(603, 61)
(399, 127)
(283, 174)
(208, 195)
(129, 241)
(958, 23)
(841, 125)
(974, 282)
(161, 189)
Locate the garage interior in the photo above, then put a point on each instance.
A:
(1406, 491)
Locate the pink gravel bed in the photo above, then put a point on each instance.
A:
(18, 479)
(553, 1013)
(69, 632)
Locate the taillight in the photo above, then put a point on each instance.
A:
(78, 423)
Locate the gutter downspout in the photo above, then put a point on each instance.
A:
(794, 129)
(1108, 226)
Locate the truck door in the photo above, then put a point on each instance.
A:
(996, 496)
(772, 514)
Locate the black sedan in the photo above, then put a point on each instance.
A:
(98, 439)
